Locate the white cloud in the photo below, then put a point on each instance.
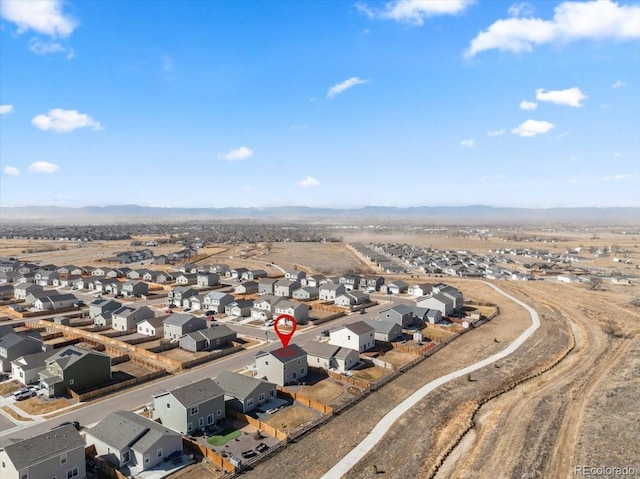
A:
(468, 143)
(522, 9)
(63, 121)
(496, 132)
(616, 177)
(618, 84)
(345, 85)
(528, 105)
(6, 109)
(43, 167)
(570, 97)
(39, 47)
(10, 171)
(531, 128)
(414, 11)
(572, 21)
(238, 154)
(308, 182)
(42, 16)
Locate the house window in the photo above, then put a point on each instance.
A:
(302, 371)
(159, 453)
(210, 419)
(168, 406)
(72, 473)
(147, 459)
(194, 410)
(190, 427)
(317, 360)
(63, 458)
(348, 337)
(71, 381)
(201, 422)
(24, 474)
(219, 412)
(272, 393)
(250, 402)
(126, 457)
(266, 363)
(261, 397)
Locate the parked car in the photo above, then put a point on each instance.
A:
(262, 447)
(248, 454)
(186, 309)
(209, 313)
(269, 323)
(23, 394)
(168, 311)
(363, 311)
(79, 303)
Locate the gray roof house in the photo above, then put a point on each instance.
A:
(395, 287)
(314, 280)
(6, 291)
(308, 293)
(330, 291)
(55, 301)
(329, 356)
(216, 301)
(178, 324)
(282, 366)
(190, 407)
(102, 305)
(206, 279)
(186, 278)
(358, 336)
(254, 274)
(127, 439)
(26, 368)
(285, 288)
(350, 281)
(14, 345)
(151, 327)
(126, 318)
(74, 368)
(244, 393)
(236, 273)
(248, 287)
(400, 314)
(135, 289)
(420, 289)
(437, 301)
(386, 331)
(299, 311)
(450, 291)
(55, 453)
(239, 308)
(266, 285)
(177, 294)
(216, 336)
(295, 275)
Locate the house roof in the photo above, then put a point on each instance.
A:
(102, 302)
(197, 393)
(359, 327)
(238, 385)
(215, 331)
(384, 327)
(270, 281)
(399, 283)
(178, 319)
(400, 309)
(48, 444)
(322, 350)
(155, 322)
(122, 429)
(293, 351)
(12, 339)
(69, 355)
(30, 361)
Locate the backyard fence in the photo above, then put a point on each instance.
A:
(212, 456)
(94, 393)
(293, 396)
(272, 431)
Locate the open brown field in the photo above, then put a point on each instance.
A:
(38, 405)
(291, 417)
(324, 391)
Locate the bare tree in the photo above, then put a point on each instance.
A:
(269, 246)
(594, 283)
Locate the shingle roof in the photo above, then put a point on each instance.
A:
(51, 443)
(238, 385)
(197, 393)
(359, 327)
(384, 327)
(293, 351)
(122, 429)
(213, 332)
(322, 350)
(71, 354)
(178, 319)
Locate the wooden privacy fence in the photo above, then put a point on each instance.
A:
(212, 456)
(272, 431)
(291, 395)
(85, 396)
(359, 383)
(210, 357)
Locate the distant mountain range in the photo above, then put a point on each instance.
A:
(476, 214)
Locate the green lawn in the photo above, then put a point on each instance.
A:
(223, 438)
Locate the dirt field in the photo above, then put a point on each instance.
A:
(371, 373)
(291, 417)
(398, 358)
(436, 334)
(324, 391)
(43, 406)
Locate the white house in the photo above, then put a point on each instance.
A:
(359, 336)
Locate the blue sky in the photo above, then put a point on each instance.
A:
(330, 103)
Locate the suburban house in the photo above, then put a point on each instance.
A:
(400, 314)
(151, 327)
(285, 288)
(451, 292)
(55, 301)
(248, 287)
(216, 301)
(74, 368)
(385, 331)
(266, 285)
(244, 393)
(330, 291)
(184, 279)
(194, 406)
(418, 290)
(58, 453)
(395, 287)
(206, 279)
(437, 301)
(180, 293)
(314, 280)
(127, 318)
(159, 277)
(194, 302)
(240, 308)
(14, 345)
(45, 278)
(371, 282)
(26, 368)
(254, 274)
(295, 275)
(352, 298)
(66, 281)
(177, 325)
(137, 274)
(329, 356)
(135, 289)
(237, 273)
(358, 336)
(307, 293)
(102, 305)
(282, 366)
(107, 285)
(125, 438)
(264, 306)
(216, 336)
(219, 269)
(6, 291)
(100, 271)
(22, 290)
(299, 311)
(350, 281)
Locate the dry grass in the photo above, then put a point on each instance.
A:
(290, 418)
(9, 387)
(371, 374)
(324, 391)
(200, 470)
(398, 358)
(14, 414)
(37, 406)
(436, 334)
(325, 258)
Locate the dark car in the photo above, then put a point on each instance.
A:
(362, 311)
(249, 454)
(262, 447)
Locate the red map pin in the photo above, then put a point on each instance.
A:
(285, 336)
